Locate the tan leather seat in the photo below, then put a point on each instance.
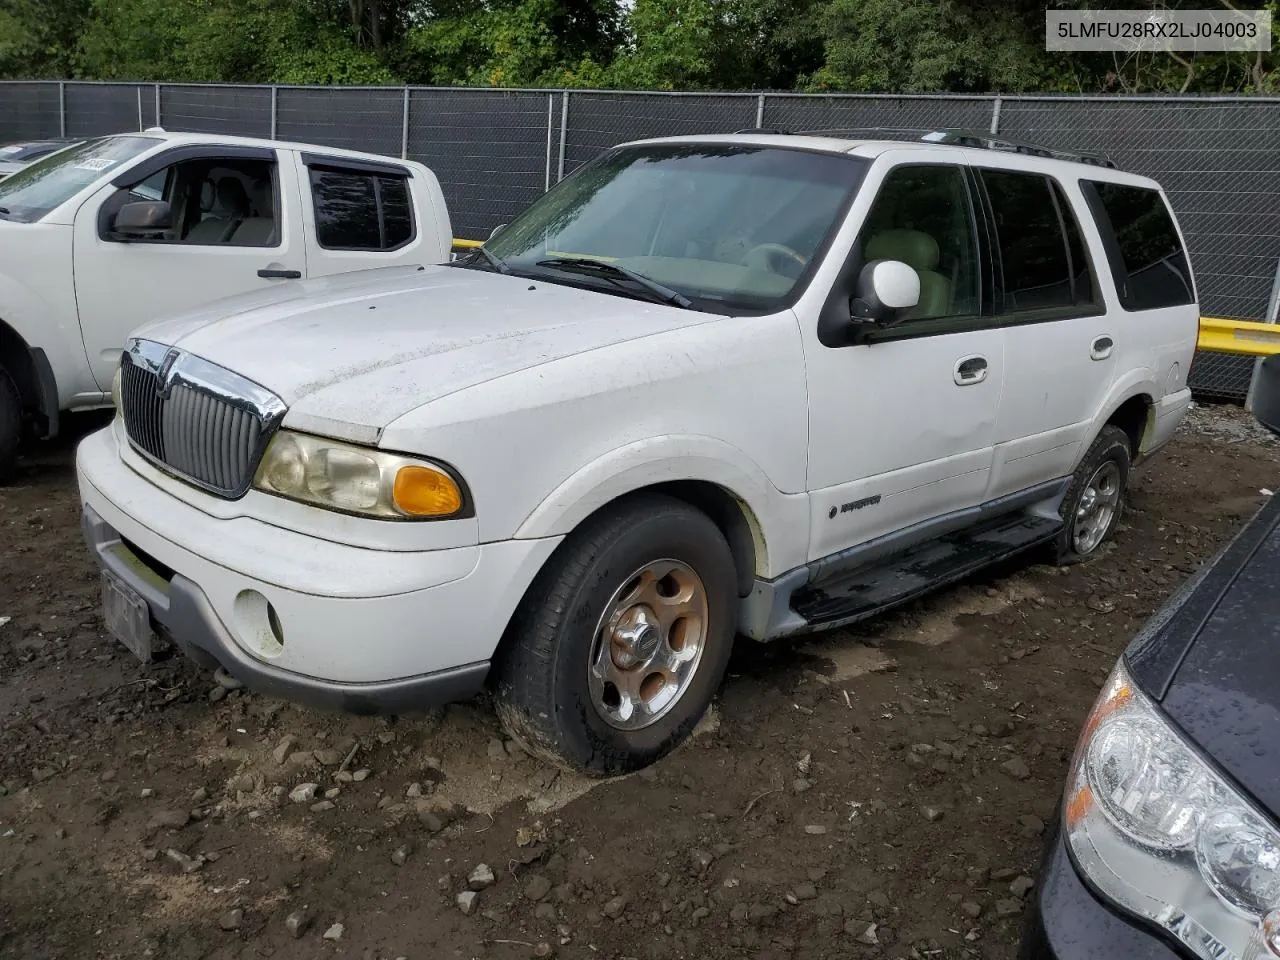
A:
(919, 251)
(230, 207)
(258, 230)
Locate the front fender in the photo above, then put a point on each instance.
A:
(779, 522)
(37, 300)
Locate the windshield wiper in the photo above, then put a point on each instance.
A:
(617, 274)
(494, 260)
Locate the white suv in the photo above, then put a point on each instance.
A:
(747, 384)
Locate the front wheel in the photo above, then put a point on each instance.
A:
(1095, 498)
(619, 645)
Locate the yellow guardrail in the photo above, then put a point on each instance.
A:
(461, 244)
(1243, 337)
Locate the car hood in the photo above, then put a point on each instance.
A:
(1224, 693)
(351, 353)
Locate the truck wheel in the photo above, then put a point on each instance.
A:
(10, 426)
(1095, 498)
(617, 648)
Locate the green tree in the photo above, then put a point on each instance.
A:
(38, 37)
(921, 46)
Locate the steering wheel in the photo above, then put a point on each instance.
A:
(776, 258)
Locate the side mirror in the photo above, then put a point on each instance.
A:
(1266, 394)
(494, 232)
(143, 218)
(887, 289)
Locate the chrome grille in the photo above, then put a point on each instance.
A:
(199, 421)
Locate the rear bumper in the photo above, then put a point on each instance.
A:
(183, 613)
(1067, 922)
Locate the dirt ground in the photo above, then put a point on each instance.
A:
(871, 793)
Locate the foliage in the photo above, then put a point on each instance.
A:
(817, 45)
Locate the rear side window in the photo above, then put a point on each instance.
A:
(361, 211)
(1042, 259)
(1147, 259)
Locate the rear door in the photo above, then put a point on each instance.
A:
(1060, 341)
(360, 215)
(1159, 317)
(235, 229)
(901, 427)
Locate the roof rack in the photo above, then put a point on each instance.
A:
(952, 137)
(990, 141)
(862, 133)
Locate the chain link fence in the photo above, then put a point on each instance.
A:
(495, 151)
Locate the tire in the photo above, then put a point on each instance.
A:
(10, 426)
(1100, 480)
(556, 667)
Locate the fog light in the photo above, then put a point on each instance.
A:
(258, 626)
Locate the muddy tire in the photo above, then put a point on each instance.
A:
(1095, 498)
(10, 426)
(617, 648)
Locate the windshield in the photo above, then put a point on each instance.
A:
(35, 190)
(732, 227)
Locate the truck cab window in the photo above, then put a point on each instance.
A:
(214, 201)
(356, 210)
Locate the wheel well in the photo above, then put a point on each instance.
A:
(731, 515)
(1133, 417)
(15, 359)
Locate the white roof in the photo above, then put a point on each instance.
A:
(871, 149)
(224, 140)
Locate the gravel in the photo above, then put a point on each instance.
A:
(297, 923)
(481, 877)
(304, 792)
(1016, 768)
(537, 887)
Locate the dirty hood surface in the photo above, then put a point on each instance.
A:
(351, 353)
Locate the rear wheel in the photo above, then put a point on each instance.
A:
(10, 426)
(1095, 498)
(620, 643)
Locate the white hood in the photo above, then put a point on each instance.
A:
(350, 353)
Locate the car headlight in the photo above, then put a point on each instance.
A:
(1157, 830)
(360, 480)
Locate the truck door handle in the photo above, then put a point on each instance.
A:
(970, 370)
(1101, 348)
(268, 274)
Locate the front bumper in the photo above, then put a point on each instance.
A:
(1067, 922)
(362, 630)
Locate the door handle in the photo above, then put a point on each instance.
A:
(269, 274)
(1101, 348)
(970, 370)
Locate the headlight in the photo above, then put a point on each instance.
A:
(354, 479)
(1161, 833)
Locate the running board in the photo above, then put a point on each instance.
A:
(855, 595)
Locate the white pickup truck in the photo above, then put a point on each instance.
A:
(110, 233)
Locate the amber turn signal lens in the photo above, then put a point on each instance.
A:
(423, 492)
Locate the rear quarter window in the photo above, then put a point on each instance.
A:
(1147, 259)
(356, 210)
